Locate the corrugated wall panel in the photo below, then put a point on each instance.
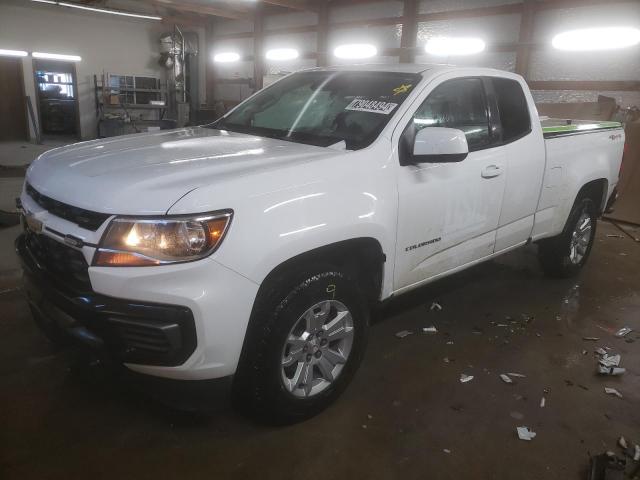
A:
(433, 6)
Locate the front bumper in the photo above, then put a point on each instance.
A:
(129, 331)
(210, 303)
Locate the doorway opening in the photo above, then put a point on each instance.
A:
(57, 99)
(13, 116)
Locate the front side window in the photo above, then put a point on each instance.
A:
(461, 104)
(512, 105)
(324, 108)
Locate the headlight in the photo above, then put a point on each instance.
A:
(135, 242)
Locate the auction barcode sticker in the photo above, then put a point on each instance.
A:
(372, 106)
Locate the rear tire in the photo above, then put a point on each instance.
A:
(304, 347)
(564, 256)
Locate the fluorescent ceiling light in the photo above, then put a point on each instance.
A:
(445, 46)
(282, 54)
(56, 56)
(13, 53)
(605, 38)
(356, 50)
(226, 57)
(99, 10)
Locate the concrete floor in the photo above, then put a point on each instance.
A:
(63, 418)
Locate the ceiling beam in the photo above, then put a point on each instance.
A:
(199, 9)
(295, 5)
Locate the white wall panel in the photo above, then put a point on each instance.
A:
(348, 13)
(554, 64)
(625, 99)
(495, 29)
(551, 22)
(295, 19)
(387, 36)
(432, 6)
(224, 26)
(499, 60)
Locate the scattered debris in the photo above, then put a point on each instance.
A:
(370, 417)
(446, 360)
(543, 402)
(623, 331)
(478, 330)
(525, 434)
(612, 391)
(435, 306)
(622, 254)
(446, 450)
(611, 235)
(590, 339)
(519, 375)
(601, 351)
(569, 383)
(609, 360)
(623, 443)
(606, 466)
(403, 333)
(516, 415)
(505, 378)
(612, 371)
(584, 352)
(464, 378)
(636, 453)
(364, 427)
(583, 387)
(430, 330)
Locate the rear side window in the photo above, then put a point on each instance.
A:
(461, 104)
(514, 112)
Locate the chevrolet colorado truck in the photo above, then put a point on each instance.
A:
(252, 250)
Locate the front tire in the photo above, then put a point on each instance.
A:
(564, 256)
(303, 348)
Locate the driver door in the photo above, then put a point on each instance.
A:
(448, 212)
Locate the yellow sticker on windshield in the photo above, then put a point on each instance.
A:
(404, 88)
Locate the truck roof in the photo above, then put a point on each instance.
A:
(430, 68)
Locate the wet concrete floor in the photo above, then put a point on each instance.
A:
(64, 418)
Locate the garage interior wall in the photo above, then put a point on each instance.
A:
(113, 44)
(545, 62)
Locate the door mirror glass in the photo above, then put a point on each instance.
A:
(440, 145)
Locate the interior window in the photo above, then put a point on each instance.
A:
(512, 105)
(457, 104)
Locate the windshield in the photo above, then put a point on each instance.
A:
(323, 108)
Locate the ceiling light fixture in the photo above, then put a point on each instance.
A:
(355, 51)
(99, 10)
(282, 54)
(445, 46)
(226, 57)
(13, 53)
(56, 56)
(602, 38)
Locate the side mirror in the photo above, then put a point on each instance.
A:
(440, 145)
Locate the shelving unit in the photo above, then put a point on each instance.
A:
(123, 103)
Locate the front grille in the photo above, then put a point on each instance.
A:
(81, 217)
(60, 261)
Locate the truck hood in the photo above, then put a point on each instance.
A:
(147, 173)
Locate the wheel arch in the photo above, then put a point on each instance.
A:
(596, 190)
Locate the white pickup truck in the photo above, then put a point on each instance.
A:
(251, 250)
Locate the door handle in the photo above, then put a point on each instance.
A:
(492, 171)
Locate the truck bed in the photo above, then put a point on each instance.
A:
(560, 127)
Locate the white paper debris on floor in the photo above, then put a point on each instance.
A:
(623, 331)
(505, 378)
(430, 330)
(525, 434)
(517, 375)
(610, 360)
(613, 371)
(435, 306)
(601, 351)
(543, 402)
(591, 339)
(403, 333)
(623, 442)
(612, 391)
(464, 378)
(446, 450)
